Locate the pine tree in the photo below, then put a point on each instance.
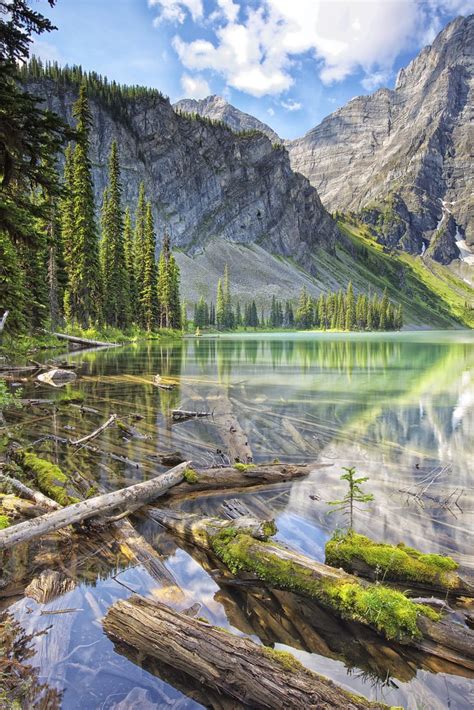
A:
(168, 287)
(350, 315)
(238, 316)
(148, 286)
(139, 236)
(384, 312)
(322, 312)
(12, 286)
(228, 320)
(220, 306)
(129, 252)
(116, 302)
(84, 291)
(67, 207)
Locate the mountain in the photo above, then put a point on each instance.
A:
(402, 158)
(217, 109)
(229, 198)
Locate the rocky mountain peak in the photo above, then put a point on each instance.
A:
(218, 109)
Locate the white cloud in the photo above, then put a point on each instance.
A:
(195, 87)
(45, 51)
(270, 111)
(254, 46)
(291, 105)
(176, 10)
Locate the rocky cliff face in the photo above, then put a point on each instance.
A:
(204, 181)
(413, 144)
(218, 109)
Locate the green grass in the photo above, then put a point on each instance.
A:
(429, 292)
(4, 522)
(110, 334)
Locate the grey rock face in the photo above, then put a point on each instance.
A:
(415, 142)
(204, 181)
(218, 109)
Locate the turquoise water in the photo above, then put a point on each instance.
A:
(399, 407)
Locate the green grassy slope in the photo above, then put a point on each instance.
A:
(429, 292)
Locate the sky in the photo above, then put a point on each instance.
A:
(288, 62)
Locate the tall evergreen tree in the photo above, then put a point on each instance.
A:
(168, 287)
(67, 207)
(116, 302)
(220, 306)
(129, 251)
(148, 286)
(84, 291)
(139, 237)
(350, 313)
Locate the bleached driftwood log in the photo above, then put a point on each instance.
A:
(126, 499)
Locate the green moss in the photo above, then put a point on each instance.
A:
(389, 611)
(190, 475)
(4, 522)
(284, 658)
(244, 466)
(71, 396)
(51, 480)
(392, 562)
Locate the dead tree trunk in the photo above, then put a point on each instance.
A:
(254, 675)
(230, 477)
(85, 341)
(127, 499)
(281, 568)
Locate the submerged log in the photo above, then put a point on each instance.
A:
(385, 610)
(181, 415)
(239, 476)
(234, 438)
(127, 499)
(253, 675)
(96, 432)
(48, 585)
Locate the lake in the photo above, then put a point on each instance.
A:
(399, 407)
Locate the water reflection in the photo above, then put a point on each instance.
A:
(399, 407)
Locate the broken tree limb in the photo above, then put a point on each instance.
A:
(385, 610)
(127, 498)
(254, 675)
(96, 432)
(85, 341)
(211, 480)
(181, 415)
(29, 493)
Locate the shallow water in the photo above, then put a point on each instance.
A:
(399, 407)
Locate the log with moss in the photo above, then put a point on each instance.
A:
(387, 611)
(201, 481)
(253, 675)
(398, 563)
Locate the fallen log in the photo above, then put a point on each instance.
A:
(85, 341)
(254, 675)
(29, 493)
(212, 480)
(400, 564)
(128, 499)
(387, 611)
(96, 432)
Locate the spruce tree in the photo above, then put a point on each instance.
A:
(148, 286)
(67, 207)
(168, 287)
(129, 251)
(220, 306)
(139, 237)
(228, 312)
(116, 302)
(350, 314)
(84, 291)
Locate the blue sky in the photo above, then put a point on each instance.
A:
(288, 62)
